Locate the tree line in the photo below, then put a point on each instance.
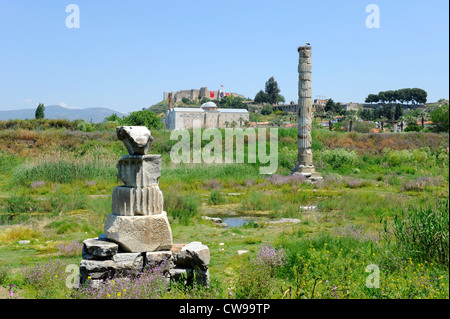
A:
(402, 96)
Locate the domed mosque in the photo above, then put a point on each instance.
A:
(209, 115)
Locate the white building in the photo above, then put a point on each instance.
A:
(209, 114)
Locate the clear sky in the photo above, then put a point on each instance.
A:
(126, 53)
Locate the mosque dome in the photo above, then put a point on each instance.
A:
(209, 106)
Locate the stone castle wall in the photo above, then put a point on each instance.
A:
(195, 94)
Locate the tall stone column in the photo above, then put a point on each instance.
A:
(304, 165)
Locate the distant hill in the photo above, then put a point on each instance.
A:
(160, 107)
(94, 114)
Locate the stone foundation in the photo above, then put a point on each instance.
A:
(103, 259)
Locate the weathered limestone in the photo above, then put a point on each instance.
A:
(304, 165)
(99, 248)
(130, 201)
(137, 222)
(139, 171)
(188, 265)
(137, 139)
(139, 233)
(194, 254)
(162, 259)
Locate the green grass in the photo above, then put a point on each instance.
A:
(397, 178)
(422, 231)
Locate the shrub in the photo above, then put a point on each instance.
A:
(395, 158)
(70, 249)
(216, 198)
(413, 128)
(256, 277)
(149, 284)
(291, 179)
(4, 273)
(423, 232)
(182, 207)
(440, 117)
(143, 118)
(258, 201)
(363, 127)
(214, 184)
(339, 157)
(420, 183)
(47, 279)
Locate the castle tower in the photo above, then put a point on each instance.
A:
(304, 165)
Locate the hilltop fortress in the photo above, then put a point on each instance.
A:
(194, 94)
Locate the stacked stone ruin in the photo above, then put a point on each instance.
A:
(137, 234)
(304, 165)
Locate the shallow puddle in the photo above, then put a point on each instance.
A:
(236, 221)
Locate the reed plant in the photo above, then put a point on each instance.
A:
(422, 232)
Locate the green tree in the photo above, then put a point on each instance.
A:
(338, 108)
(330, 117)
(187, 101)
(440, 118)
(404, 95)
(39, 113)
(398, 113)
(350, 116)
(423, 116)
(329, 106)
(266, 110)
(272, 90)
(372, 98)
(261, 97)
(281, 99)
(419, 96)
(412, 128)
(142, 118)
(231, 101)
(205, 100)
(112, 118)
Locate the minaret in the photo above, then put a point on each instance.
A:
(304, 165)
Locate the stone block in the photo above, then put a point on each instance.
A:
(188, 276)
(139, 233)
(99, 248)
(183, 275)
(123, 264)
(161, 259)
(304, 68)
(131, 201)
(201, 277)
(193, 255)
(96, 269)
(137, 139)
(139, 171)
(128, 263)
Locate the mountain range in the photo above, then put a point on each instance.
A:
(93, 114)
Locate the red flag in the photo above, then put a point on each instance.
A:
(227, 94)
(221, 85)
(211, 94)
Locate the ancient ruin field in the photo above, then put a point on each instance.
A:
(379, 216)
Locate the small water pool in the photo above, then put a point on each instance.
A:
(236, 221)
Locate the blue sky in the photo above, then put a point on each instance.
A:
(126, 53)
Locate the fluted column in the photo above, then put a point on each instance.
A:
(304, 163)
